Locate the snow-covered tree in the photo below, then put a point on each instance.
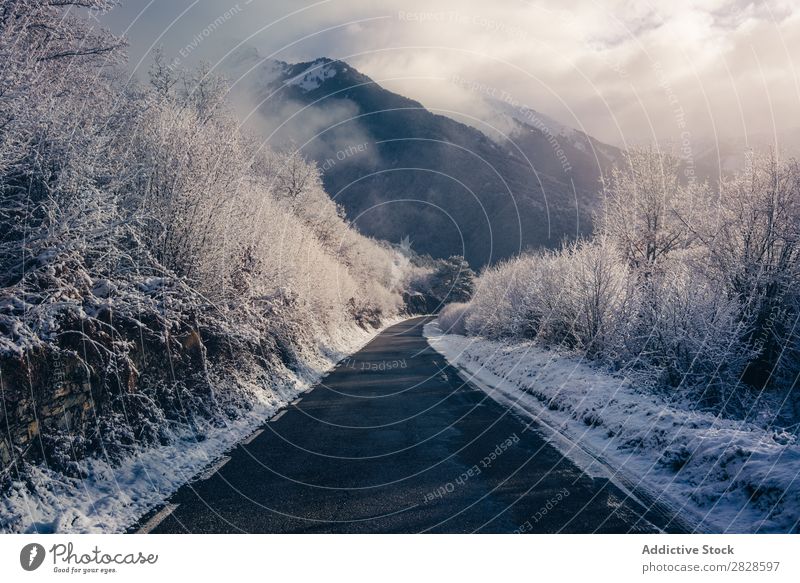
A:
(453, 280)
(754, 253)
(647, 210)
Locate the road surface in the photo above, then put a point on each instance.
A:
(393, 441)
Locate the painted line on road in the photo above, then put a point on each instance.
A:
(215, 468)
(278, 416)
(250, 439)
(157, 519)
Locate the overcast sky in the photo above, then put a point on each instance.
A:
(624, 71)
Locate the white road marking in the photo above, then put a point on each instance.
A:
(253, 436)
(278, 416)
(215, 468)
(157, 519)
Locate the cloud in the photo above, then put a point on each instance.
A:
(625, 71)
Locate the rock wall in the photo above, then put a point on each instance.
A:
(51, 394)
(41, 392)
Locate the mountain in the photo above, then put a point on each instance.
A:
(559, 150)
(399, 170)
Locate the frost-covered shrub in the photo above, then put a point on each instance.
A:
(694, 290)
(186, 186)
(684, 330)
(569, 298)
(595, 294)
(537, 295)
(491, 309)
(452, 318)
(508, 300)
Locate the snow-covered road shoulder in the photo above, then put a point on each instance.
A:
(723, 475)
(112, 497)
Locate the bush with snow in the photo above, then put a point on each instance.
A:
(689, 289)
(451, 318)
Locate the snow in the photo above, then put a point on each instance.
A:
(314, 76)
(528, 116)
(724, 475)
(114, 496)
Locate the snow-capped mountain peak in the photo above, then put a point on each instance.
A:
(315, 75)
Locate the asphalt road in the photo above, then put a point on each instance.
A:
(394, 441)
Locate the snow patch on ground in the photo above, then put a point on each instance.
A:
(113, 497)
(730, 476)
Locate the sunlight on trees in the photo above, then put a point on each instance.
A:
(693, 289)
(143, 232)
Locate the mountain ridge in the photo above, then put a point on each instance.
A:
(446, 185)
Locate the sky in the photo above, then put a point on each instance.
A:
(684, 72)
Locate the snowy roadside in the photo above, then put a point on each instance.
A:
(726, 476)
(113, 497)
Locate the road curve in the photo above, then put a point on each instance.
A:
(394, 441)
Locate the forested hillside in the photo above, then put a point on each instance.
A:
(400, 170)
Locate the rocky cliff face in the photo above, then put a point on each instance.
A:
(93, 391)
(42, 393)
